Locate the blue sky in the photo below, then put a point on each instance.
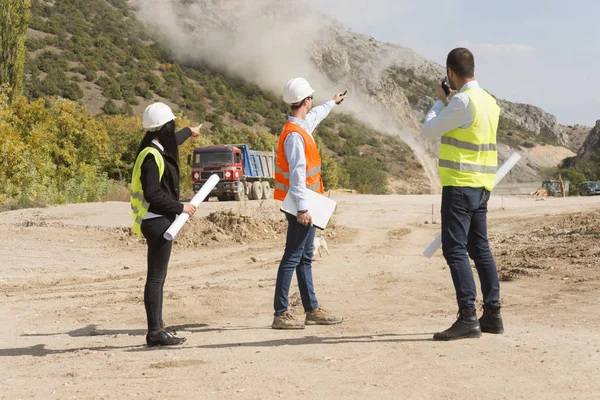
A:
(546, 53)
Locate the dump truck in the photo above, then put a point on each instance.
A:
(244, 173)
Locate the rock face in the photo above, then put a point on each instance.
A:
(360, 62)
(577, 135)
(592, 143)
(536, 120)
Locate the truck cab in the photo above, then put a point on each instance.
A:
(225, 162)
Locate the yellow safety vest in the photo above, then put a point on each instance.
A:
(468, 157)
(139, 205)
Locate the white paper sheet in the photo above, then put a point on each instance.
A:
(321, 208)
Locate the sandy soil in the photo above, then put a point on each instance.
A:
(72, 320)
(547, 156)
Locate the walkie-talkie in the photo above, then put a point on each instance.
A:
(445, 86)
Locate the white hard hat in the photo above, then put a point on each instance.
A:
(157, 115)
(296, 90)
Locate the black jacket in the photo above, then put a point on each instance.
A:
(163, 194)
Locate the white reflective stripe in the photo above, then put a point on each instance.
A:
(285, 174)
(484, 169)
(281, 186)
(139, 220)
(314, 187)
(313, 171)
(309, 173)
(145, 205)
(138, 196)
(468, 146)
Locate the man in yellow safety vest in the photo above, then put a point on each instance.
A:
(467, 123)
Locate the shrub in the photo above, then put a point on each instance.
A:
(366, 176)
(110, 108)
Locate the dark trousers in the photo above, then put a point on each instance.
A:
(464, 231)
(297, 257)
(159, 252)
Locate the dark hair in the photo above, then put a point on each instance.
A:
(462, 62)
(299, 104)
(148, 138)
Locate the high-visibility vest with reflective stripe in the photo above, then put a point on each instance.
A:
(468, 157)
(313, 163)
(139, 205)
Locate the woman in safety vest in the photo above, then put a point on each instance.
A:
(155, 204)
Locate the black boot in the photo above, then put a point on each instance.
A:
(163, 338)
(466, 326)
(491, 320)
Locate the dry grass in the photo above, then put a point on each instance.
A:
(118, 191)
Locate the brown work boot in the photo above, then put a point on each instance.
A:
(287, 320)
(321, 316)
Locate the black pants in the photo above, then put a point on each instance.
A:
(464, 235)
(159, 252)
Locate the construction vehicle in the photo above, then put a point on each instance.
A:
(553, 188)
(589, 188)
(244, 173)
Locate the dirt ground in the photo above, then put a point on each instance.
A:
(72, 319)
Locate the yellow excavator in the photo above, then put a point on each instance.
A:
(553, 188)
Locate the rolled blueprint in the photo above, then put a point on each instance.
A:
(507, 166)
(198, 198)
(500, 174)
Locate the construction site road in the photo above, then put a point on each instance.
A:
(72, 320)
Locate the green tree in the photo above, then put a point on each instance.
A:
(575, 178)
(15, 16)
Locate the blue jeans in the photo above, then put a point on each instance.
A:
(297, 257)
(464, 231)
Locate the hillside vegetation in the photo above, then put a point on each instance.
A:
(90, 72)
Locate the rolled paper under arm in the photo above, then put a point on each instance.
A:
(196, 201)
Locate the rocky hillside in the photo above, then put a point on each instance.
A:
(223, 61)
(577, 135)
(586, 165)
(591, 144)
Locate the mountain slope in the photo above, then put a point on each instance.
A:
(201, 57)
(97, 53)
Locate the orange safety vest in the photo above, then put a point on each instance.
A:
(313, 163)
